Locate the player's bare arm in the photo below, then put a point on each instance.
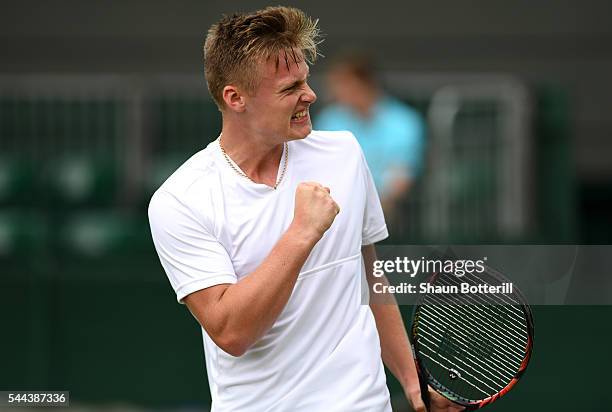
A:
(395, 347)
(236, 316)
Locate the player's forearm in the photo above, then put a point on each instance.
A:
(395, 347)
(249, 308)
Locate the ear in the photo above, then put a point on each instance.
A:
(233, 98)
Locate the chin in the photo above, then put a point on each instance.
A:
(301, 133)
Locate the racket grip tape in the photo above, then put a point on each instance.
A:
(422, 380)
(424, 390)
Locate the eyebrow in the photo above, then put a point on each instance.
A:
(295, 83)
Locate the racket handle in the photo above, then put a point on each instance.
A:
(422, 380)
(424, 391)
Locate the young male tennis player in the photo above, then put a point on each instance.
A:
(263, 234)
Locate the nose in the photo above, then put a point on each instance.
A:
(309, 95)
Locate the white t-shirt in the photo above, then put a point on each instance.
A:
(211, 226)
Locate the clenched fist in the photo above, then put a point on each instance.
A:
(315, 210)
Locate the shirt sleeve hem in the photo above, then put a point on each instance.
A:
(199, 284)
(377, 236)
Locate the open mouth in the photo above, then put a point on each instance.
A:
(300, 115)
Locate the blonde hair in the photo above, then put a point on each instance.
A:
(237, 44)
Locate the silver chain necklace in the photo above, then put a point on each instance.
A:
(241, 173)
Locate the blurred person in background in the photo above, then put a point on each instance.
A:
(391, 134)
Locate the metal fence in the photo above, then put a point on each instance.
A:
(109, 141)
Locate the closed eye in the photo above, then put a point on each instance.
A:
(292, 87)
(295, 85)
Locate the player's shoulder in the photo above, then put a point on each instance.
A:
(332, 134)
(193, 179)
(332, 140)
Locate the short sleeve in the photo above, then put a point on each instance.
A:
(191, 256)
(374, 226)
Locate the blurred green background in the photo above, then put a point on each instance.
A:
(101, 101)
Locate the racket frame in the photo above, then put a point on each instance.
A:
(427, 379)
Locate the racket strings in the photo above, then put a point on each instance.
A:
(488, 375)
(444, 367)
(474, 341)
(464, 339)
(515, 311)
(501, 300)
(479, 311)
(473, 344)
(486, 300)
(488, 392)
(518, 332)
(499, 379)
(476, 361)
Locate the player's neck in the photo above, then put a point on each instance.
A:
(257, 157)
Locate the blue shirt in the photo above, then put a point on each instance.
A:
(392, 138)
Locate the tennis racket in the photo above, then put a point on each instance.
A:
(471, 348)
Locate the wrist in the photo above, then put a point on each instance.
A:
(305, 235)
(410, 379)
